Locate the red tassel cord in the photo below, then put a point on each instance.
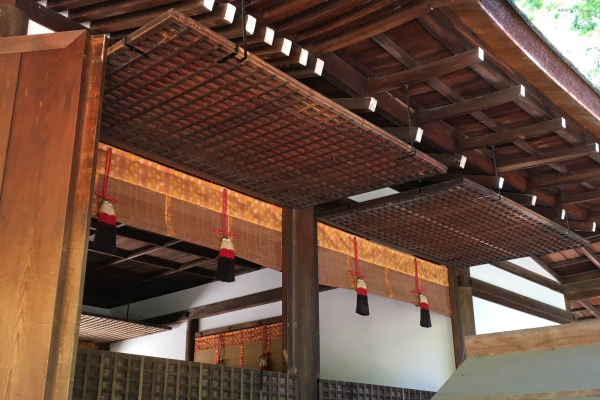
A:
(423, 303)
(105, 239)
(226, 261)
(362, 303)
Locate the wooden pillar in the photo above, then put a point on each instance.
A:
(301, 300)
(13, 22)
(190, 344)
(50, 96)
(461, 303)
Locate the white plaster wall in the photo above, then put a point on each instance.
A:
(169, 344)
(387, 347)
(491, 318)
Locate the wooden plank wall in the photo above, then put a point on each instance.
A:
(48, 139)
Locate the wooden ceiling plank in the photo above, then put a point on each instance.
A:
(62, 5)
(523, 133)
(590, 307)
(405, 134)
(519, 302)
(137, 19)
(234, 31)
(321, 13)
(582, 197)
(221, 15)
(512, 94)
(451, 160)
(545, 182)
(556, 156)
(281, 48)
(105, 9)
(357, 104)
(286, 9)
(530, 276)
(358, 33)
(426, 71)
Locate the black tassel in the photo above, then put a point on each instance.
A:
(105, 239)
(425, 317)
(226, 262)
(362, 304)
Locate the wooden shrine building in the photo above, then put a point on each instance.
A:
(409, 140)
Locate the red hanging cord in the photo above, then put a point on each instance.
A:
(419, 290)
(356, 261)
(223, 230)
(106, 174)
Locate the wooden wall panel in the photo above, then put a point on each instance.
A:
(44, 210)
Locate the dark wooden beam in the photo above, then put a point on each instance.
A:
(547, 268)
(286, 9)
(221, 15)
(301, 299)
(523, 133)
(583, 276)
(512, 94)
(238, 327)
(49, 18)
(234, 31)
(578, 226)
(528, 200)
(262, 36)
(550, 212)
(544, 182)
(582, 290)
(423, 72)
(495, 294)
(280, 48)
(102, 9)
(209, 310)
(590, 307)
(404, 133)
(62, 5)
(589, 253)
(314, 68)
(358, 33)
(298, 57)
(555, 156)
(358, 104)
(582, 197)
(451, 160)
(530, 276)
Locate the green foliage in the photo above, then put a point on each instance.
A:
(586, 13)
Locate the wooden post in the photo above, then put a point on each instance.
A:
(461, 304)
(13, 22)
(190, 344)
(50, 102)
(301, 300)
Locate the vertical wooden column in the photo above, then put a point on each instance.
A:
(190, 343)
(461, 303)
(49, 121)
(301, 300)
(13, 22)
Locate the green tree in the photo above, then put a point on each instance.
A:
(583, 18)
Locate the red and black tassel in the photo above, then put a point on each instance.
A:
(362, 303)
(105, 239)
(226, 261)
(423, 303)
(425, 317)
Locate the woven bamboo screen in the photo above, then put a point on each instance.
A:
(98, 329)
(246, 125)
(457, 223)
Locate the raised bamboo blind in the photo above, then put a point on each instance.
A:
(457, 223)
(98, 329)
(243, 124)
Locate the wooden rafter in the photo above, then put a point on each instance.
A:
(425, 72)
(280, 48)
(548, 158)
(358, 104)
(451, 160)
(221, 15)
(235, 31)
(104, 9)
(404, 133)
(544, 182)
(578, 226)
(512, 94)
(582, 197)
(591, 255)
(530, 276)
(522, 198)
(523, 133)
(590, 307)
